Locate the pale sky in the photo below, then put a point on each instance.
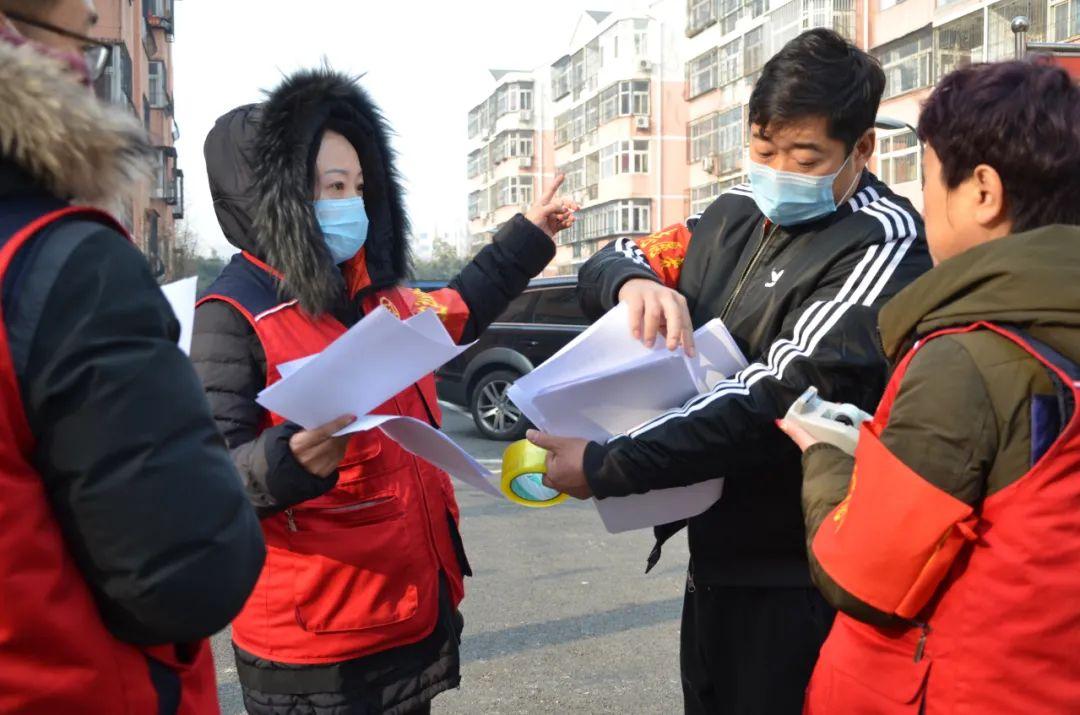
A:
(425, 61)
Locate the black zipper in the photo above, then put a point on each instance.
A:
(749, 269)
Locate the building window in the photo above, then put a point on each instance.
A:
(703, 133)
(474, 205)
(641, 38)
(1064, 21)
(721, 136)
(907, 62)
(754, 51)
(159, 85)
(1001, 41)
(560, 79)
(729, 68)
(898, 157)
(627, 157)
(511, 144)
(728, 14)
(639, 97)
(513, 191)
(699, 14)
(958, 43)
(701, 197)
(784, 24)
(614, 218)
(702, 73)
(115, 83)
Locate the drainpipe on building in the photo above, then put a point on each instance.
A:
(1020, 26)
(659, 143)
(866, 24)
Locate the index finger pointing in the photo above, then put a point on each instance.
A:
(550, 193)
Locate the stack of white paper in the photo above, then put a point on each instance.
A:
(605, 383)
(374, 360)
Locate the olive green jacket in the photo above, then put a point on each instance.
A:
(963, 416)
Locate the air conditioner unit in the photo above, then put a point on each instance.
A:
(525, 162)
(526, 115)
(710, 164)
(642, 122)
(645, 66)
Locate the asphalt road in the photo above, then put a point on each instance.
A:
(559, 618)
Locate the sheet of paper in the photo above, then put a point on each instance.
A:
(604, 383)
(613, 401)
(719, 354)
(181, 296)
(660, 506)
(430, 444)
(374, 360)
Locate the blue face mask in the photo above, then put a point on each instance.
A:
(787, 198)
(344, 224)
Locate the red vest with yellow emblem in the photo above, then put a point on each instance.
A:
(56, 655)
(992, 592)
(355, 571)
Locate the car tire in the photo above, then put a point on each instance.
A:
(495, 416)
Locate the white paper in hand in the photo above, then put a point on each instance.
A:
(181, 297)
(430, 444)
(374, 360)
(604, 383)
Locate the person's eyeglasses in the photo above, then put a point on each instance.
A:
(95, 52)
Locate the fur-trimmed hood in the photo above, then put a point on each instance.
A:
(260, 161)
(56, 136)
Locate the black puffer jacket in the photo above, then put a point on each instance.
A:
(137, 476)
(271, 217)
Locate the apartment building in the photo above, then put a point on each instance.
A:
(919, 41)
(646, 112)
(139, 78)
(609, 113)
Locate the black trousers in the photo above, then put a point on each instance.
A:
(750, 651)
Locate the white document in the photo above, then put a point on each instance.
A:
(181, 296)
(660, 506)
(430, 444)
(604, 383)
(374, 360)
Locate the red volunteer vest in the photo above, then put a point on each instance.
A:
(995, 590)
(56, 656)
(355, 571)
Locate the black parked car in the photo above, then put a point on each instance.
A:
(534, 327)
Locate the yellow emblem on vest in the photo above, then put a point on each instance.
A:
(389, 305)
(841, 511)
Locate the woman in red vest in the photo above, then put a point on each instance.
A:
(951, 543)
(356, 609)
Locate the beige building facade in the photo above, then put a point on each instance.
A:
(139, 78)
(646, 112)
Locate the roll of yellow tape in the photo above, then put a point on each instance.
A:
(523, 468)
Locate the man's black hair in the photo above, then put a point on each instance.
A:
(820, 74)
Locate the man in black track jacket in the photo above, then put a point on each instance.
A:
(797, 264)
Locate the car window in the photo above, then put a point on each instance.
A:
(559, 306)
(519, 310)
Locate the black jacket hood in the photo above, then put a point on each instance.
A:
(260, 161)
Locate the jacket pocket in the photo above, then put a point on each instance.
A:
(863, 670)
(357, 565)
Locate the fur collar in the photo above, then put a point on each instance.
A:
(290, 126)
(57, 133)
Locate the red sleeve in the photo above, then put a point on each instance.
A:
(666, 251)
(447, 304)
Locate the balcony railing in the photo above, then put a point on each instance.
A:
(159, 14)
